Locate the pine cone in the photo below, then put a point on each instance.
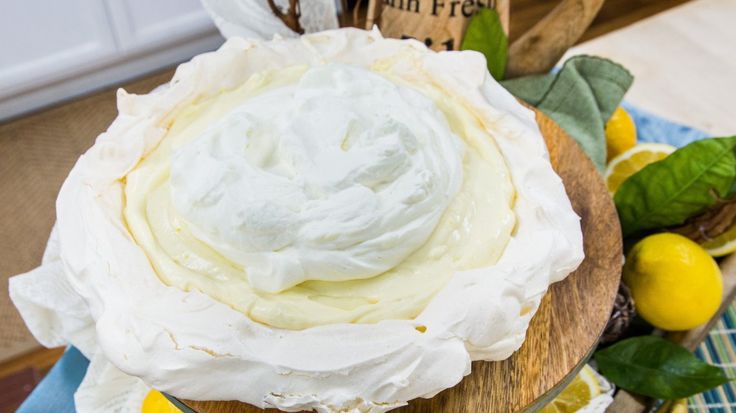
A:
(621, 316)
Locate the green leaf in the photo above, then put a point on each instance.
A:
(655, 367)
(669, 191)
(485, 35)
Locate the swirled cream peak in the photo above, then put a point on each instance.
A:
(339, 176)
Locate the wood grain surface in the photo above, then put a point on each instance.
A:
(614, 15)
(539, 49)
(568, 323)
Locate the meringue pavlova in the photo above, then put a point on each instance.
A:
(335, 222)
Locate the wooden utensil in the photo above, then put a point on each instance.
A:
(441, 25)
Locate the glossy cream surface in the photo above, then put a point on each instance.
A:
(320, 195)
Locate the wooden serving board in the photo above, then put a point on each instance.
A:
(568, 323)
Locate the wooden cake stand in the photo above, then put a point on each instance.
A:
(568, 323)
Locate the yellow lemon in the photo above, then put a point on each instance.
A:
(632, 161)
(582, 389)
(155, 402)
(674, 406)
(620, 133)
(675, 284)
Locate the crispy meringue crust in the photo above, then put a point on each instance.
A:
(194, 347)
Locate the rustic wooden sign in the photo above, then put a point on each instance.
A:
(440, 24)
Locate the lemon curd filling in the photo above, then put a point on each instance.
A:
(470, 232)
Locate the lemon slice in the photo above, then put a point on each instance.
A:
(581, 391)
(620, 133)
(155, 402)
(632, 161)
(723, 244)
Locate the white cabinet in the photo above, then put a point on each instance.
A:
(52, 50)
(44, 41)
(145, 24)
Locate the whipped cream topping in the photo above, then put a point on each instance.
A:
(472, 232)
(193, 346)
(338, 177)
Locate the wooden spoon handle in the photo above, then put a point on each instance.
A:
(542, 46)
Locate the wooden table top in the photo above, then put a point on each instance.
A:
(569, 321)
(690, 79)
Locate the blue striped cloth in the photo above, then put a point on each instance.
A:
(719, 349)
(654, 129)
(55, 394)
